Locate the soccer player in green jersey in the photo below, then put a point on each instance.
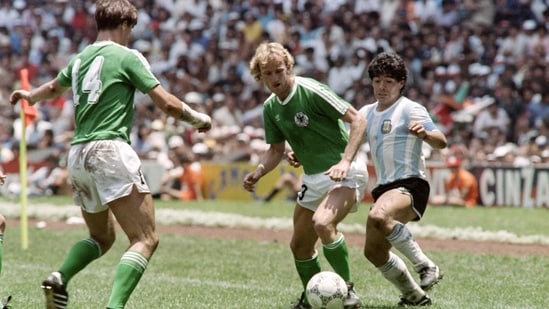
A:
(311, 118)
(4, 304)
(104, 168)
(2, 223)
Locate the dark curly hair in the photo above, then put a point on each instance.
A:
(388, 64)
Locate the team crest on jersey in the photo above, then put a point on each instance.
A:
(301, 120)
(386, 126)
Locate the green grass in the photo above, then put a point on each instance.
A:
(516, 220)
(519, 221)
(191, 272)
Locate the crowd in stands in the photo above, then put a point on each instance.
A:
(479, 66)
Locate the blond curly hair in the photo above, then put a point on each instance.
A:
(264, 53)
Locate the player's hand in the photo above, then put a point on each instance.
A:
(2, 178)
(417, 129)
(292, 159)
(339, 171)
(250, 180)
(18, 95)
(202, 122)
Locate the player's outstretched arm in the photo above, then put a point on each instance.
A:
(178, 109)
(270, 159)
(434, 138)
(48, 90)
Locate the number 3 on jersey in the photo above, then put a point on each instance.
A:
(91, 83)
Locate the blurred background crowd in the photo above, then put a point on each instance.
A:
(479, 66)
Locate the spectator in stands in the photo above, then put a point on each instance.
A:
(140, 141)
(460, 186)
(50, 179)
(447, 14)
(251, 30)
(185, 183)
(339, 77)
(227, 113)
(492, 118)
(506, 96)
(7, 131)
(539, 110)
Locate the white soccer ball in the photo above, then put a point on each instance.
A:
(326, 290)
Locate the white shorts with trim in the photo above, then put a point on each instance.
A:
(103, 171)
(315, 187)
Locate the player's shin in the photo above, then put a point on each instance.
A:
(130, 269)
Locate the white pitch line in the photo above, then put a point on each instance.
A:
(218, 219)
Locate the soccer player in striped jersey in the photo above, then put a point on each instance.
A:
(396, 129)
(105, 170)
(310, 117)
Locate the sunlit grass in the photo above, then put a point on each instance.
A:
(193, 272)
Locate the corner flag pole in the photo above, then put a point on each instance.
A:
(24, 75)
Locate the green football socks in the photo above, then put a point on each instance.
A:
(337, 254)
(131, 267)
(81, 254)
(307, 268)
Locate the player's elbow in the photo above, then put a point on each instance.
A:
(438, 140)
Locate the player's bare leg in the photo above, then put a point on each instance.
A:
(135, 214)
(303, 249)
(390, 209)
(101, 237)
(332, 210)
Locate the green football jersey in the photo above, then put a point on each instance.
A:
(104, 77)
(309, 119)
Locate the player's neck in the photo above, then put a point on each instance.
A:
(381, 106)
(110, 35)
(283, 95)
(386, 104)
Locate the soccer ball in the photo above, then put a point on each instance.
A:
(326, 290)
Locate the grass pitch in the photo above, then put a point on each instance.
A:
(193, 272)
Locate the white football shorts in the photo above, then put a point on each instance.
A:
(103, 171)
(314, 188)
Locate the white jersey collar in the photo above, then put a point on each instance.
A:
(291, 94)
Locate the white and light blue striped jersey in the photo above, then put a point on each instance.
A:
(396, 153)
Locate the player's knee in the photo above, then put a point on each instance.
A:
(324, 230)
(105, 241)
(377, 219)
(301, 250)
(295, 247)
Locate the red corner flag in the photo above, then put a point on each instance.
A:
(28, 110)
